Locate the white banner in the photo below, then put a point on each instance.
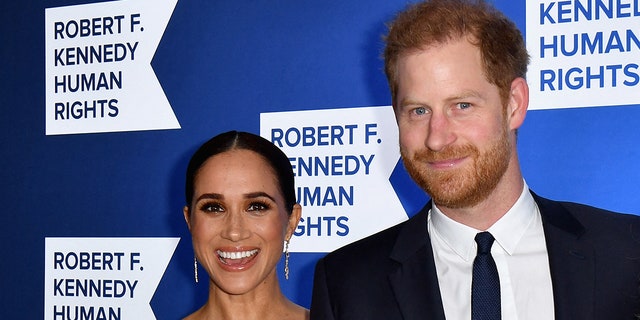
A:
(342, 159)
(104, 278)
(98, 67)
(583, 53)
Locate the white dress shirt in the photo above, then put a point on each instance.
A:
(520, 254)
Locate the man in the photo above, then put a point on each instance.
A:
(456, 72)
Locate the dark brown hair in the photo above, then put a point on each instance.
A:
(233, 140)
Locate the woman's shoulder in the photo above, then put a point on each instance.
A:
(195, 316)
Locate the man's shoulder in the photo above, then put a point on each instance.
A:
(594, 221)
(379, 248)
(588, 248)
(597, 213)
(602, 220)
(379, 243)
(365, 260)
(589, 213)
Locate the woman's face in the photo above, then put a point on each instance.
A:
(238, 221)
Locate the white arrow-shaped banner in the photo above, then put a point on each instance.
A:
(342, 160)
(104, 278)
(98, 67)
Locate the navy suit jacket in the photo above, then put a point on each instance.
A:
(594, 258)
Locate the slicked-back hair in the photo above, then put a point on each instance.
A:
(237, 140)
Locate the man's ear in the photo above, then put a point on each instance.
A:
(518, 103)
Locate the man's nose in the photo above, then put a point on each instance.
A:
(440, 132)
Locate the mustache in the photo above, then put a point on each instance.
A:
(450, 152)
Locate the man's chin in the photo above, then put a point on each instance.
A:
(454, 194)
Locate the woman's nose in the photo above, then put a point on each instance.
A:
(235, 228)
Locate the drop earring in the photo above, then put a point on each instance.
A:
(286, 259)
(195, 268)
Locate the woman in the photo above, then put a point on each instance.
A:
(241, 209)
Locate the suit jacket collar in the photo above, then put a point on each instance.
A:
(571, 261)
(415, 281)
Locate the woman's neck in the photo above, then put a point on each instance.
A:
(264, 303)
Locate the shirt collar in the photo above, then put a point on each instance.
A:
(507, 231)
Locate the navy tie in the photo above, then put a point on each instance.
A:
(485, 286)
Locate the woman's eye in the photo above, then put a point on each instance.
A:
(212, 207)
(258, 206)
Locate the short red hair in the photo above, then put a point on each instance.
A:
(501, 44)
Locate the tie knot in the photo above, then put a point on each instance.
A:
(484, 241)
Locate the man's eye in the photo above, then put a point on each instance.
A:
(420, 111)
(464, 105)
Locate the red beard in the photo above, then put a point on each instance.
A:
(463, 187)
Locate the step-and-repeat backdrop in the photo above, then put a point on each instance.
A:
(104, 102)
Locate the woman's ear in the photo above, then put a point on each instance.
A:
(187, 216)
(294, 219)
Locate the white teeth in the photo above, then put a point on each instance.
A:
(236, 254)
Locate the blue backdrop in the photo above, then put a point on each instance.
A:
(221, 64)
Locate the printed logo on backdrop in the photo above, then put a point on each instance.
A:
(583, 53)
(342, 160)
(104, 278)
(98, 67)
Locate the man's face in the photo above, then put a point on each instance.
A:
(454, 135)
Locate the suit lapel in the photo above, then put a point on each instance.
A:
(415, 281)
(571, 261)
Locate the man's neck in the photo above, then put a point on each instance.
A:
(485, 213)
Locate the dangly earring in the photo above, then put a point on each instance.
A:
(286, 259)
(195, 268)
